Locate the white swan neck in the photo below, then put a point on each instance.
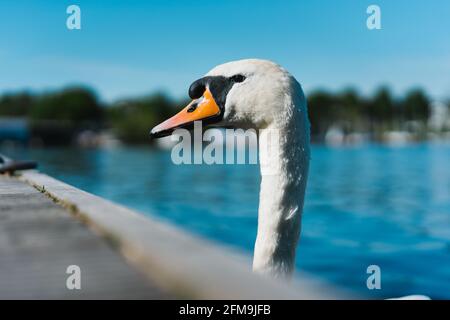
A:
(284, 166)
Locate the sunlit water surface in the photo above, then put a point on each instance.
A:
(365, 205)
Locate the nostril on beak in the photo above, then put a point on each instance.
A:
(192, 107)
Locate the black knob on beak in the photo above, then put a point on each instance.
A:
(197, 88)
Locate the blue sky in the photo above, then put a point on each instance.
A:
(128, 48)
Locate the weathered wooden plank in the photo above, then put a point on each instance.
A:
(183, 264)
(39, 240)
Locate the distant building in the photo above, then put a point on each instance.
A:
(440, 117)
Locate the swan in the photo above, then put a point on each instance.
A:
(260, 94)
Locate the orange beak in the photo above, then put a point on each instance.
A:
(203, 109)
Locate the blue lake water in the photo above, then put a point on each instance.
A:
(388, 206)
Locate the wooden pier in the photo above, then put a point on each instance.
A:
(47, 226)
(39, 240)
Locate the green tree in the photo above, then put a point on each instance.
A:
(381, 107)
(16, 105)
(416, 106)
(133, 119)
(321, 111)
(350, 105)
(76, 106)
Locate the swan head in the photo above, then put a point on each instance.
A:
(245, 93)
(261, 95)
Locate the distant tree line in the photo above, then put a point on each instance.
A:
(372, 115)
(57, 117)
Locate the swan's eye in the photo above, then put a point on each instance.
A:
(237, 78)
